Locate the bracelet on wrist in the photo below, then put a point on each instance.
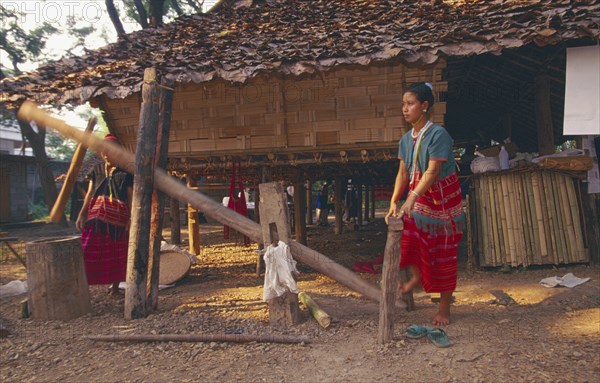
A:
(415, 193)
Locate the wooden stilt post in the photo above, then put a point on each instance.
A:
(543, 113)
(211, 208)
(389, 281)
(372, 203)
(175, 222)
(309, 202)
(367, 203)
(359, 208)
(300, 209)
(193, 225)
(340, 185)
(139, 236)
(263, 177)
(283, 310)
(158, 197)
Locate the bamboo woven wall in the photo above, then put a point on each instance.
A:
(527, 218)
(346, 106)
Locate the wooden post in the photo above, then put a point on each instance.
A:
(543, 114)
(359, 208)
(158, 197)
(309, 202)
(389, 281)
(372, 203)
(65, 192)
(283, 310)
(170, 185)
(193, 225)
(143, 184)
(175, 222)
(340, 185)
(367, 203)
(56, 279)
(300, 209)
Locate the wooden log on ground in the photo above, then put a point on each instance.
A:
(136, 305)
(232, 338)
(215, 210)
(317, 312)
(65, 192)
(389, 281)
(56, 279)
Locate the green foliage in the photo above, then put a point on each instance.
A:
(21, 45)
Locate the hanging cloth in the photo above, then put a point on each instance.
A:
(237, 204)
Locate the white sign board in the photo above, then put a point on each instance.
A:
(582, 91)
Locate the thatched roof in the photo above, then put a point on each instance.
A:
(300, 36)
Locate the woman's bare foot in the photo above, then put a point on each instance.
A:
(442, 318)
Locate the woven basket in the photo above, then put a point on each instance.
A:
(580, 163)
(174, 265)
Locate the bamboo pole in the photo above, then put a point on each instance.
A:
(315, 310)
(519, 230)
(172, 187)
(483, 229)
(499, 220)
(233, 338)
(569, 233)
(512, 248)
(63, 196)
(547, 207)
(575, 213)
(535, 235)
(560, 230)
(539, 214)
(477, 224)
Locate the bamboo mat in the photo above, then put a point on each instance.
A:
(527, 218)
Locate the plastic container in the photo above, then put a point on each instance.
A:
(503, 158)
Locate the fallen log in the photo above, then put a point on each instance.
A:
(233, 338)
(317, 312)
(171, 186)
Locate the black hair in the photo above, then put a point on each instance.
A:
(423, 92)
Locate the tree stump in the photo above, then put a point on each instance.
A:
(56, 279)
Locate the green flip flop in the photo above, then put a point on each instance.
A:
(416, 332)
(439, 338)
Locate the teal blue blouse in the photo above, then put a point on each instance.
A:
(436, 145)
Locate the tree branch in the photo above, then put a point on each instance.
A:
(114, 17)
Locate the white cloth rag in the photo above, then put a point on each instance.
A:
(568, 280)
(279, 266)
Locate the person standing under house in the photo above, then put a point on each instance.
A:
(104, 222)
(432, 212)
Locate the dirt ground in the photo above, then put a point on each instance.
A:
(545, 335)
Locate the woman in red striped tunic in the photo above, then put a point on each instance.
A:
(104, 223)
(432, 212)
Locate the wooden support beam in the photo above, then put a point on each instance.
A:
(309, 202)
(158, 197)
(372, 202)
(367, 210)
(359, 207)
(543, 115)
(193, 224)
(340, 185)
(175, 222)
(65, 192)
(389, 281)
(275, 224)
(170, 185)
(300, 209)
(143, 185)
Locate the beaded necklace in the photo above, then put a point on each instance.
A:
(417, 147)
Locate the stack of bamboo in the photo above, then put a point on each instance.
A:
(527, 218)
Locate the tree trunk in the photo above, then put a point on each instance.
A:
(156, 11)
(38, 145)
(141, 13)
(114, 17)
